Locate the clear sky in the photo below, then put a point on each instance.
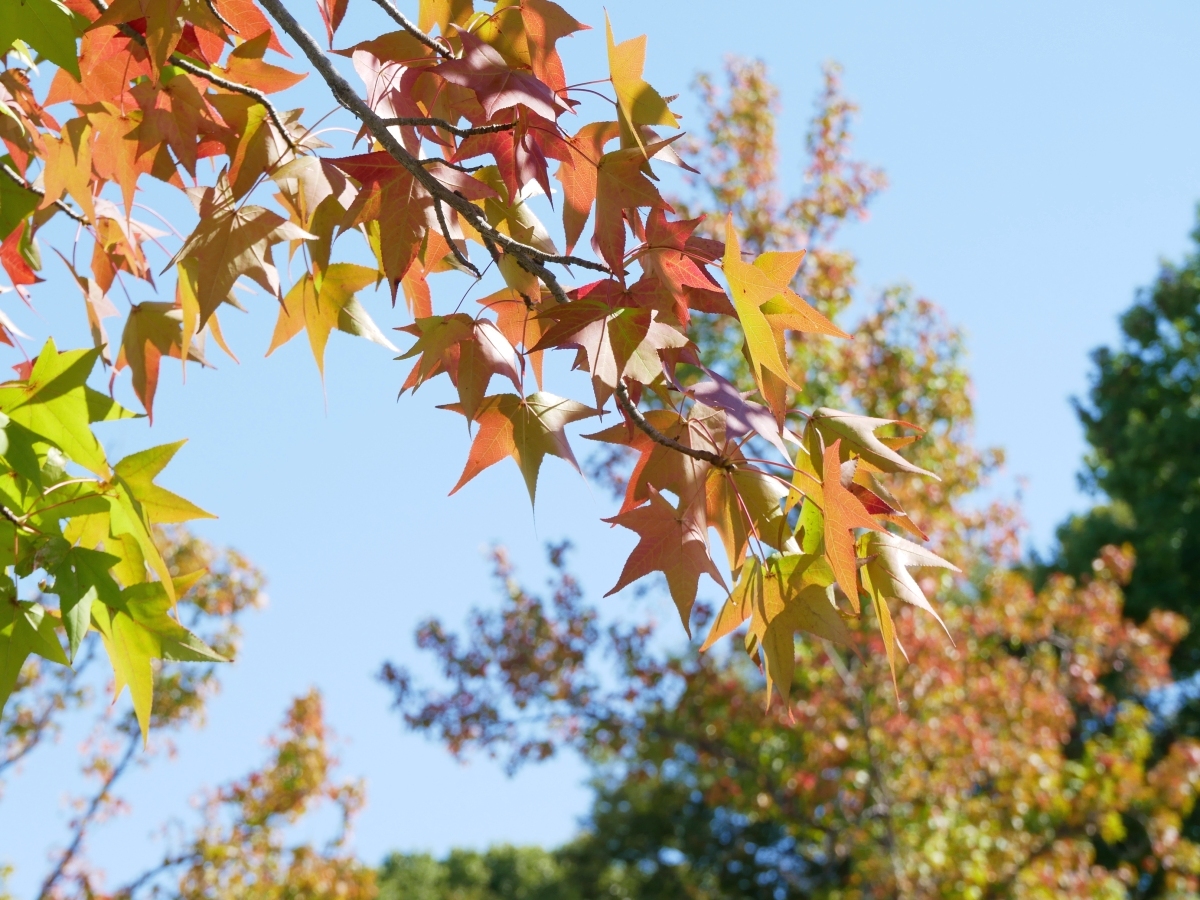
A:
(1042, 159)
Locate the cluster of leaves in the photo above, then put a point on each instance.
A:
(244, 842)
(1031, 762)
(463, 113)
(91, 537)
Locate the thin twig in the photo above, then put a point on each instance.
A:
(237, 88)
(402, 20)
(458, 254)
(13, 176)
(658, 437)
(453, 129)
(212, 8)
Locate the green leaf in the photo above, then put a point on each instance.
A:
(162, 507)
(24, 628)
(82, 577)
(18, 450)
(140, 630)
(53, 403)
(103, 408)
(45, 25)
(16, 201)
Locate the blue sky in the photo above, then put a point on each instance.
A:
(1042, 160)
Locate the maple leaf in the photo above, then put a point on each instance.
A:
(174, 111)
(229, 242)
(68, 167)
(665, 468)
(245, 65)
(621, 185)
(47, 27)
(444, 13)
(742, 416)
(332, 14)
(321, 303)
(140, 630)
(766, 306)
(518, 323)
(843, 513)
(437, 343)
(677, 261)
(497, 85)
(25, 628)
(858, 434)
(521, 153)
(670, 541)
(618, 344)
(153, 330)
(637, 102)
(527, 429)
(53, 401)
(579, 176)
(392, 200)
(530, 39)
(513, 217)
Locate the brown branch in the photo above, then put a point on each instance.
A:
(13, 176)
(658, 437)
(531, 259)
(237, 88)
(458, 254)
(402, 20)
(89, 815)
(453, 129)
(212, 8)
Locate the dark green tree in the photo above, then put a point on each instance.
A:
(1142, 423)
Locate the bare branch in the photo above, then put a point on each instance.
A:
(458, 254)
(658, 437)
(89, 815)
(453, 129)
(65, 207)
(402, 20)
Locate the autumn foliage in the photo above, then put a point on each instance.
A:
(466, 117)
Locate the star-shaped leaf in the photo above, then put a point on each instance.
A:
(637, 102)
(670, 541)
(25, 628)
(858, 433)
(498, 85)
(843, 513)
(527, 429)
(320, 310)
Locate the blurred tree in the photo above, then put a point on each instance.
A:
(239, 850)
(1142, 424)
(1026, 762)
(500, 873)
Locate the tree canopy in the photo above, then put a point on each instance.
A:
(465, 116)
(1141, 419)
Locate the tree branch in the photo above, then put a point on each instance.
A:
(255, 94)
(458, 254)
(13, 176)
(453, 129)
(402, 20)
(658, 437)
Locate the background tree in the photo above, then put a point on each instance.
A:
(1141, 420)
(241, 843)
(1025, 762)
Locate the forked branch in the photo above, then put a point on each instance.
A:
(628, 407)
